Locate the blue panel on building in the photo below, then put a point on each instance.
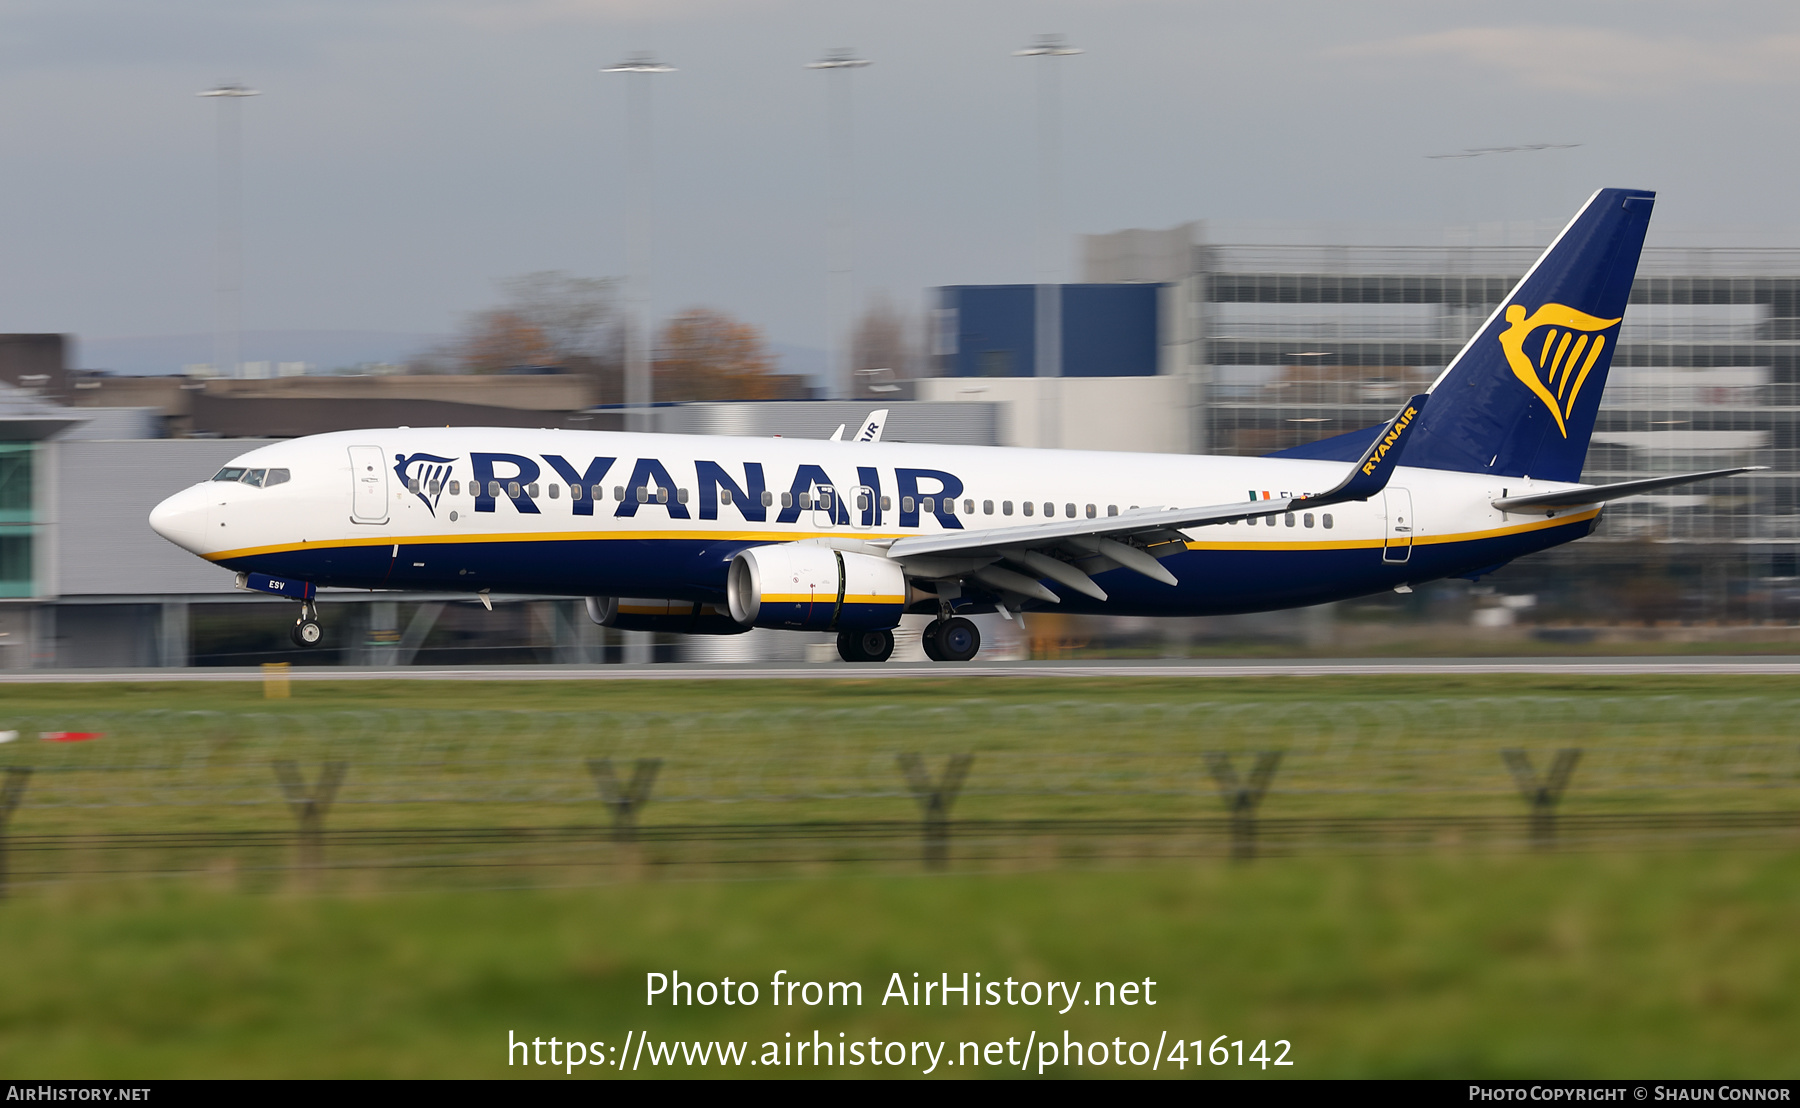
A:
(995, 330)
(1107, 330)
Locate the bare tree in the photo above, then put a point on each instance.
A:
(548, 319)
(705, 354)
(881, 348)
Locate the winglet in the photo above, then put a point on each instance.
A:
(871, 428)
(1372, 470)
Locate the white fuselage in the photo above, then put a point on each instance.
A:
(662, 515)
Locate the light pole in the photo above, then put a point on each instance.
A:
(639, 392)
(840, 288)
(1048, 312)
(229, 291)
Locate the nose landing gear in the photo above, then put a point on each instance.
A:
(307, 631)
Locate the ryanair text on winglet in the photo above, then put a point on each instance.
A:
(1388, 440)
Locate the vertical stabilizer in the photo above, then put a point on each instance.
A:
(1521, 398)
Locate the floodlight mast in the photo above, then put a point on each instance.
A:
(840, 244)
(1048, 332)
(639, 388)
(228, 291)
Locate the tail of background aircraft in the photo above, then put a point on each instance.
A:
(1520, 399)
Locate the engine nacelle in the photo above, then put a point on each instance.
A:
(683, 617)
(805, 587)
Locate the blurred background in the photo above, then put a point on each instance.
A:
(1182, 229)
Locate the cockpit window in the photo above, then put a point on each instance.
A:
(259, 478)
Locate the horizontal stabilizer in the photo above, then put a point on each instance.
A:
(1595, 494)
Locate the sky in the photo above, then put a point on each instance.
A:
(406, 155)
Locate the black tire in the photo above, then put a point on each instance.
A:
(850, 647)
(928, 640)
(865, 646)
(307, 633)
(958, 640)
(878, 646)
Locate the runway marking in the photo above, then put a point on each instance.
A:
(702, 671)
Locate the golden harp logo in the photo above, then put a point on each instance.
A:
(1564, 345)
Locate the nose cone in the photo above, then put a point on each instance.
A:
(182, 519)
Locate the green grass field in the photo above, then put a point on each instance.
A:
(1652, 959)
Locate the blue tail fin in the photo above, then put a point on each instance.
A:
(1521, 397)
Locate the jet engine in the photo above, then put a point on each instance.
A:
(684, 617)
(805, 587)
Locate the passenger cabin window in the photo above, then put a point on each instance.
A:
(1030, 507)
(555, 491)
(662, 496)
(412, 484)
(969, 508)
(1090, 511)
(456, 488)
(725, 497)
(862, 501)
(494, 489)
(928, 506)
(787, 500)
(949, 507)
(531, 490)
(1270, 520)
(987, 507)
(436, 487)
(1006, 507)
(643, 494)
(1290, 519)
(681, 496)
(1049, 510)
(768, 499)
(887, 503)
(512, 489)
(906, 504)
(1326, 519)
(1112, 509)
(619, 492)
(1308, 520)
(574, 492)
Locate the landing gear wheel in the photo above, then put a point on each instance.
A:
(957, 640)
(307, 632)
(865, 646)
(928, 638)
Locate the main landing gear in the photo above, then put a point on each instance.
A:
(865, 646)
(307, 631)
(951, 640)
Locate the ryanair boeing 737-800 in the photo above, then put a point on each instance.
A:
(712, 535)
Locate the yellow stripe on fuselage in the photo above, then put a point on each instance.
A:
(1378, 543)
(547, 536)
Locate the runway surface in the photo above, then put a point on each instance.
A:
(804, 671)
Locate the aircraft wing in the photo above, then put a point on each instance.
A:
(1595, 494)
(1069, 551)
